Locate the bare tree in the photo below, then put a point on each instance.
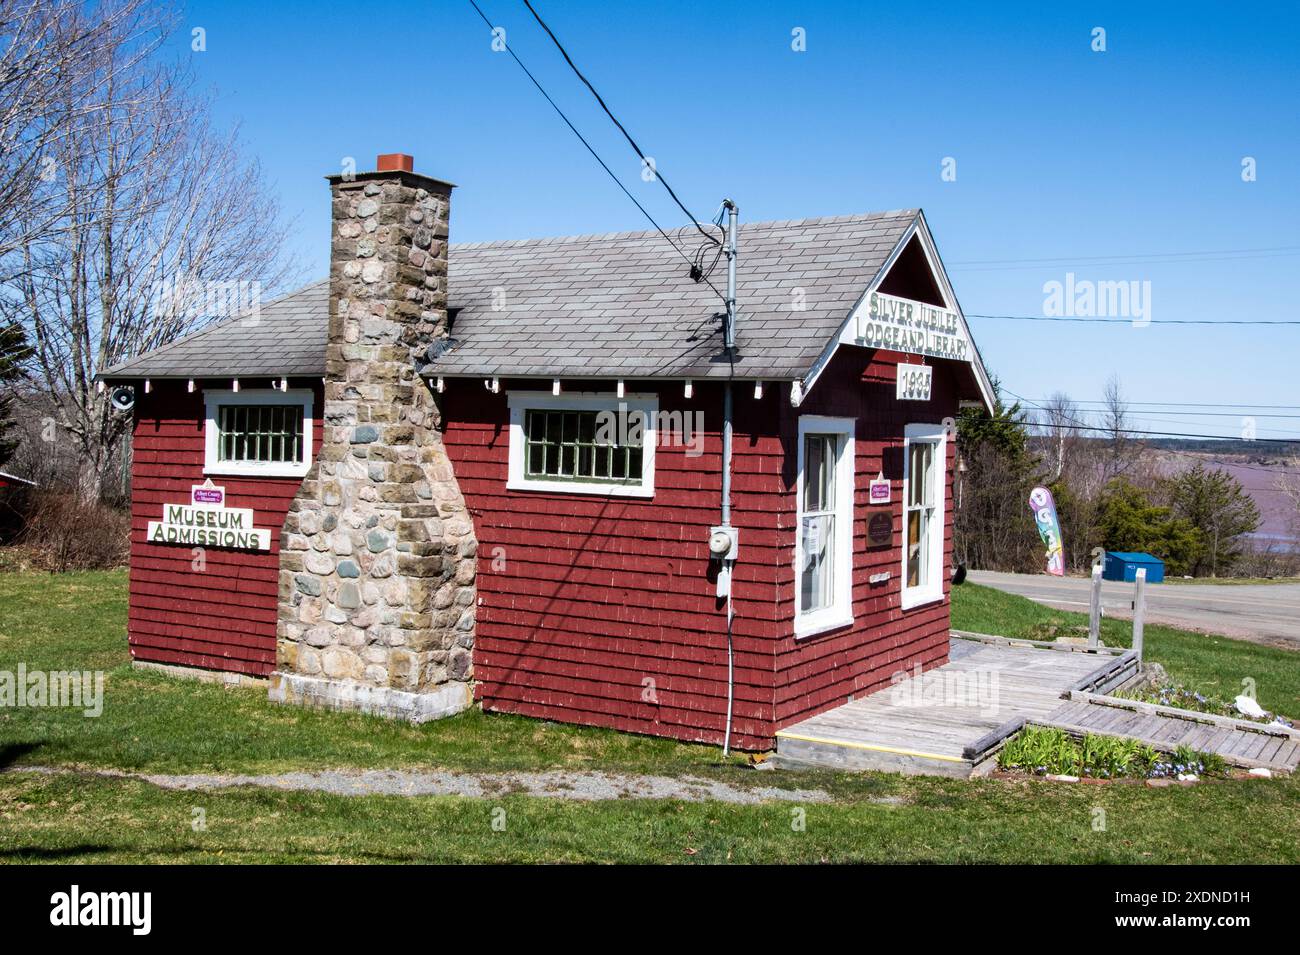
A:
(1122, 450)
(52, 67)
(1289, 486)
(159, 210)
(1061, 421)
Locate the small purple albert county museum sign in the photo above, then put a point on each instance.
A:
(878, 491)
(207, 493)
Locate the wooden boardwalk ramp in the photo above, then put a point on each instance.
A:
(952, 720)
(1240, 743)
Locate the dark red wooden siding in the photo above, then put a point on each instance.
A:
(222, 617)
(602, 611)
(582, 600)
(822, 671)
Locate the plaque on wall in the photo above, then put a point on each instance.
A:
(880, 529)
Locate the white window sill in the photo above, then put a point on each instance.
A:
(576, 487)
(812, 625)
(920, 598)
(250, 470)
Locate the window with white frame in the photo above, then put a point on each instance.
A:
(924, 457)
(258, 432)
(824, 527)
(582, 443)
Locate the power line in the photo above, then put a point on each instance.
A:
(1082, 426)
(1173, 404)
(1149, 412)
(1156, 258)
(614, 119)
(603, 165)
(1144, 419)
(1290, 249)
(1129, 321)
(1159, 434)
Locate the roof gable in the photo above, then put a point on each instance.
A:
(913, 272)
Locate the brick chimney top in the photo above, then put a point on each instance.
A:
(395, 162)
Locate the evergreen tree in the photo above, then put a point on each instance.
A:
(1215, 503)
(1130, 522)
(13, 352)
(994, 527)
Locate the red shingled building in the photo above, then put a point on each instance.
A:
(597, 598)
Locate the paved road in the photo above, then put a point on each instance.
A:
(1263, 613)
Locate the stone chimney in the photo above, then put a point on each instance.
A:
(377, 560)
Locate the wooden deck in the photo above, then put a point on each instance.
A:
(951, 721)
(948, 721)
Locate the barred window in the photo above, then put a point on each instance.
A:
(262, 434)
(584, 446)
(261, 431)
(583, 443)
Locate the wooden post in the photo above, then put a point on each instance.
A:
(1139, 609)
(1094, 608)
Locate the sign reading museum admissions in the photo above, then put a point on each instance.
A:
(208, 524)
(901, 324)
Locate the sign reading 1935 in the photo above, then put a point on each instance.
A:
(913, 382)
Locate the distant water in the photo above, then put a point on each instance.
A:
(1260, 482)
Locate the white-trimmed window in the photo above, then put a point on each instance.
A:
(823, 550)
(260, 431)
(583, 443)
(924, 470)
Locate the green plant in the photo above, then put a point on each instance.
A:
(1040, 750)
(1216, 504)
(1107, 757)
(1130, 522)
(1046, 751)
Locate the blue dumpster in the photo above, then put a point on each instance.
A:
(1123, 565)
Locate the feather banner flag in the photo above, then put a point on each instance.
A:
(1049, 528)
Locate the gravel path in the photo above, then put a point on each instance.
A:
(554, 784)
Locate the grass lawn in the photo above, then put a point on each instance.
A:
(1204, 662)
(163, 724)
(159, 724)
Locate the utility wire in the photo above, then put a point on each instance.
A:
(618, 182)
(614, 119)
(1160, 434)
(1129, 321)
(1173, 404)
(1148, 412)
(1084, 426)
(1277, 249)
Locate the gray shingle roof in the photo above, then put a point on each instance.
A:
(617, 305)
(285, 338)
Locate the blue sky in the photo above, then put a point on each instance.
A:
(1061, 152)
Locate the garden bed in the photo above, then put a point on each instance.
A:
(1043, 751)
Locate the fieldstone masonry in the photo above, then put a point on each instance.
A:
(378, 554)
